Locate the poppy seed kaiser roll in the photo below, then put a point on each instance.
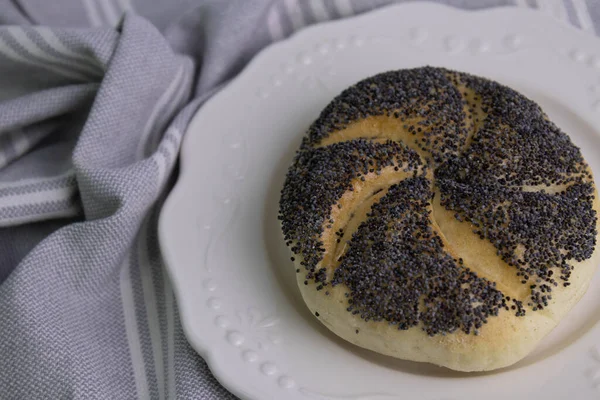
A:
(440, 217)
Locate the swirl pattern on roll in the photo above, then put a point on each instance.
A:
(392, 156)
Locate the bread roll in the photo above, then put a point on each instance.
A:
(440, 217)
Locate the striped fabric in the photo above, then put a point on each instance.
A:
(95, 96)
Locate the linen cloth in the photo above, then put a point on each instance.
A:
(95, 97)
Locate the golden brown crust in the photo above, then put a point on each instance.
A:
(505, 339)
(463, 170)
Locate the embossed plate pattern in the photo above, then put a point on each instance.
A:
(220, 237)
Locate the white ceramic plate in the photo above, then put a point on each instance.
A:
(220, 237)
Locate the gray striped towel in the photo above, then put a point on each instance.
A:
(95, 96)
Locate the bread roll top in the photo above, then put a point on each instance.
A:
(406, 175)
